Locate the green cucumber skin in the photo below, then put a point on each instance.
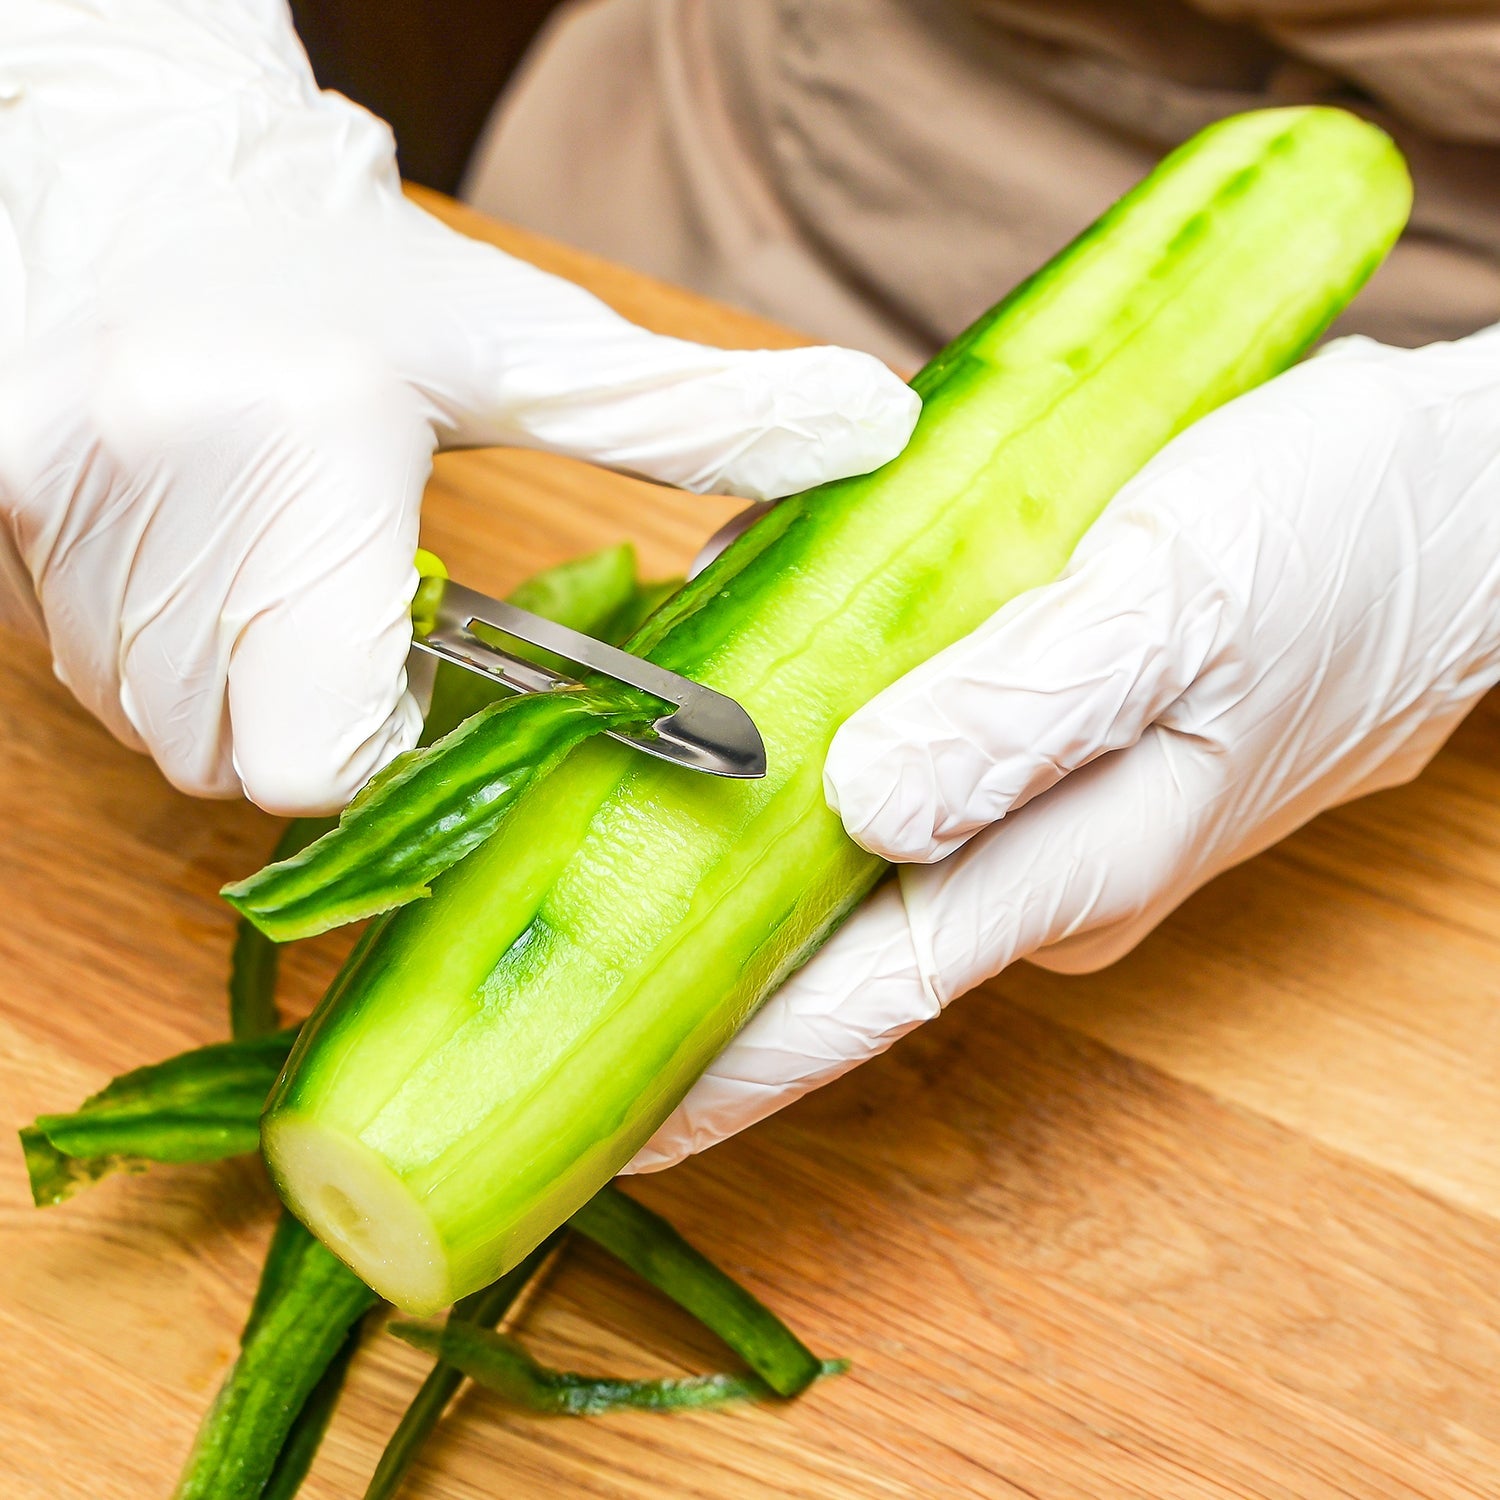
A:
(505, 1047)
(192, 1107)
(654, 1250)
(299, 1323)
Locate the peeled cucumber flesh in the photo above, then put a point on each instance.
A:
(497, 1052)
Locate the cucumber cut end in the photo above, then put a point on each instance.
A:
(361, 1210)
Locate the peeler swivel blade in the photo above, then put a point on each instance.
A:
(705, 731)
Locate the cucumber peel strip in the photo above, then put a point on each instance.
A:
(201, 1105)
(598, 593)
(55, 1176)
(254, 961)
(298, 1331)
(501, 1364)
(428, 809)
(311, 1423)
(657, 1253)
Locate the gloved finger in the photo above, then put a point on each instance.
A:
(853, 998)
(1077, 878)
(1061, 675)
(511, 355)
(265, 647)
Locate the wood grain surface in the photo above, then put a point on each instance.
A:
(1221, 1221)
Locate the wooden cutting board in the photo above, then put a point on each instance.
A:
(1223, 1220)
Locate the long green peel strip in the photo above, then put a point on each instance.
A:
(655, 1251)
(501, 1365)
(198, 1106)
(254, 962)
(480, 748)
(305, 1436)
(300, 1322)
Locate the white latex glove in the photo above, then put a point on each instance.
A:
(1292, 605)
(228, 348)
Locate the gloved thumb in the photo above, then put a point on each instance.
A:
(321, 611)
(250, 623)
(1074, 880)
(511, 355)
(1059, 676)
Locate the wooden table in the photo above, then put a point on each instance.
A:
(1221, 1221)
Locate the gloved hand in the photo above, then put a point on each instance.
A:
(1291, 606)
(228, 347)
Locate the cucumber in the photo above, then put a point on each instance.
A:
(499, 1051)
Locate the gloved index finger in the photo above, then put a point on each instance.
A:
(513, 355)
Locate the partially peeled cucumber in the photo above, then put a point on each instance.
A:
(494, 1054)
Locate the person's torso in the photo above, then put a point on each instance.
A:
(939, 149)
(877, 172)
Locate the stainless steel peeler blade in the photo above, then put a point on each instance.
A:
(706, 731)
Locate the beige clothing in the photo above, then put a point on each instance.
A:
(876, 172)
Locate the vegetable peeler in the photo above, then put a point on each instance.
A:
(705, 730)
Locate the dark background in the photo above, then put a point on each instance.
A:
(432, 68)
